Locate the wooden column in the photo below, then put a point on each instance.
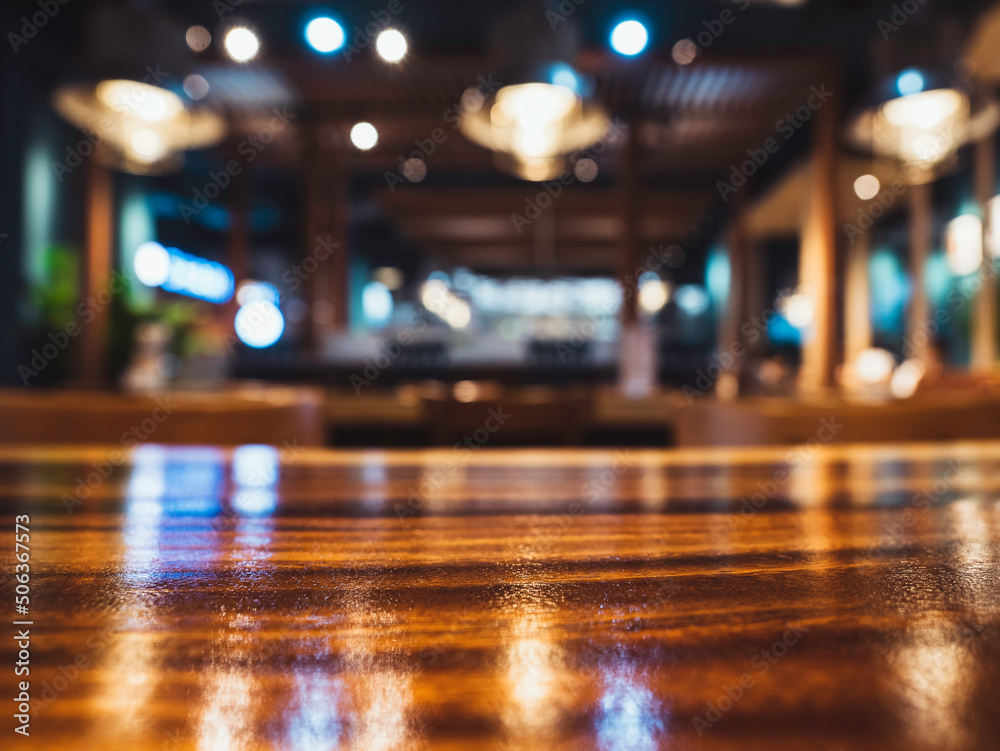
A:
(637, 348)
(817, 256)
(917, 339)
(238, 241)
(326, 286)
(984, 312)
(98, 254)
(628, 211)
(857, 300)
(735, 312)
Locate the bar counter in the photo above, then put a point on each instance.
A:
(818, 597)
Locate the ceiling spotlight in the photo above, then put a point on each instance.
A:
(364, 136)
(195, 86)
(391, 45)
(629, 38)
(144, 128)
(325, 35)
(684, 52)
(198, 38)
(259, 324)
(585, 170)
(866, 187)
(241, 44)
(414, 170)
(909, 82)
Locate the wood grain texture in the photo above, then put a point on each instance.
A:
(561, 599)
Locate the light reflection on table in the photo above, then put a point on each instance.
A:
(259, 598)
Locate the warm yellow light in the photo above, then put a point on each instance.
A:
(390, 276)
(798, 309)
(364, 136)
(585, 170)
(874, 366)
(147, 145)
(922, 129)
(866, 186)
(532, 126)
(457, 313)
(684, 52)
(906, 379)
(964, 240)
(433, 294)
(143, 128)
(653, 295)
(241, 44)
(391, 45)
(198, 38)
(150, 103)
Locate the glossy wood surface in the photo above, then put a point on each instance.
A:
(511, 599)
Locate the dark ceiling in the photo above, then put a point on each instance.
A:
(693, 122)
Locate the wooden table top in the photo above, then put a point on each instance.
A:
(209, 599)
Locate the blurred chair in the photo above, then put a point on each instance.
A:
(757, 422)
(231, 417)
(528, 415)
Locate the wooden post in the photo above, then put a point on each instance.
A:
(917, 340)
(238, 255)
(735, 312)
(984, 330)
(817, 256)
(326, 285)
(857, 305)
(628, 252)
(637, 348)
(96, 276)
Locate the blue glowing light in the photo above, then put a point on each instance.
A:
(183, 274)
(629, 38)
(376, 303)
(692, 299)
(325, 35)
(259, 324)
(909, 82)
(563, 75)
